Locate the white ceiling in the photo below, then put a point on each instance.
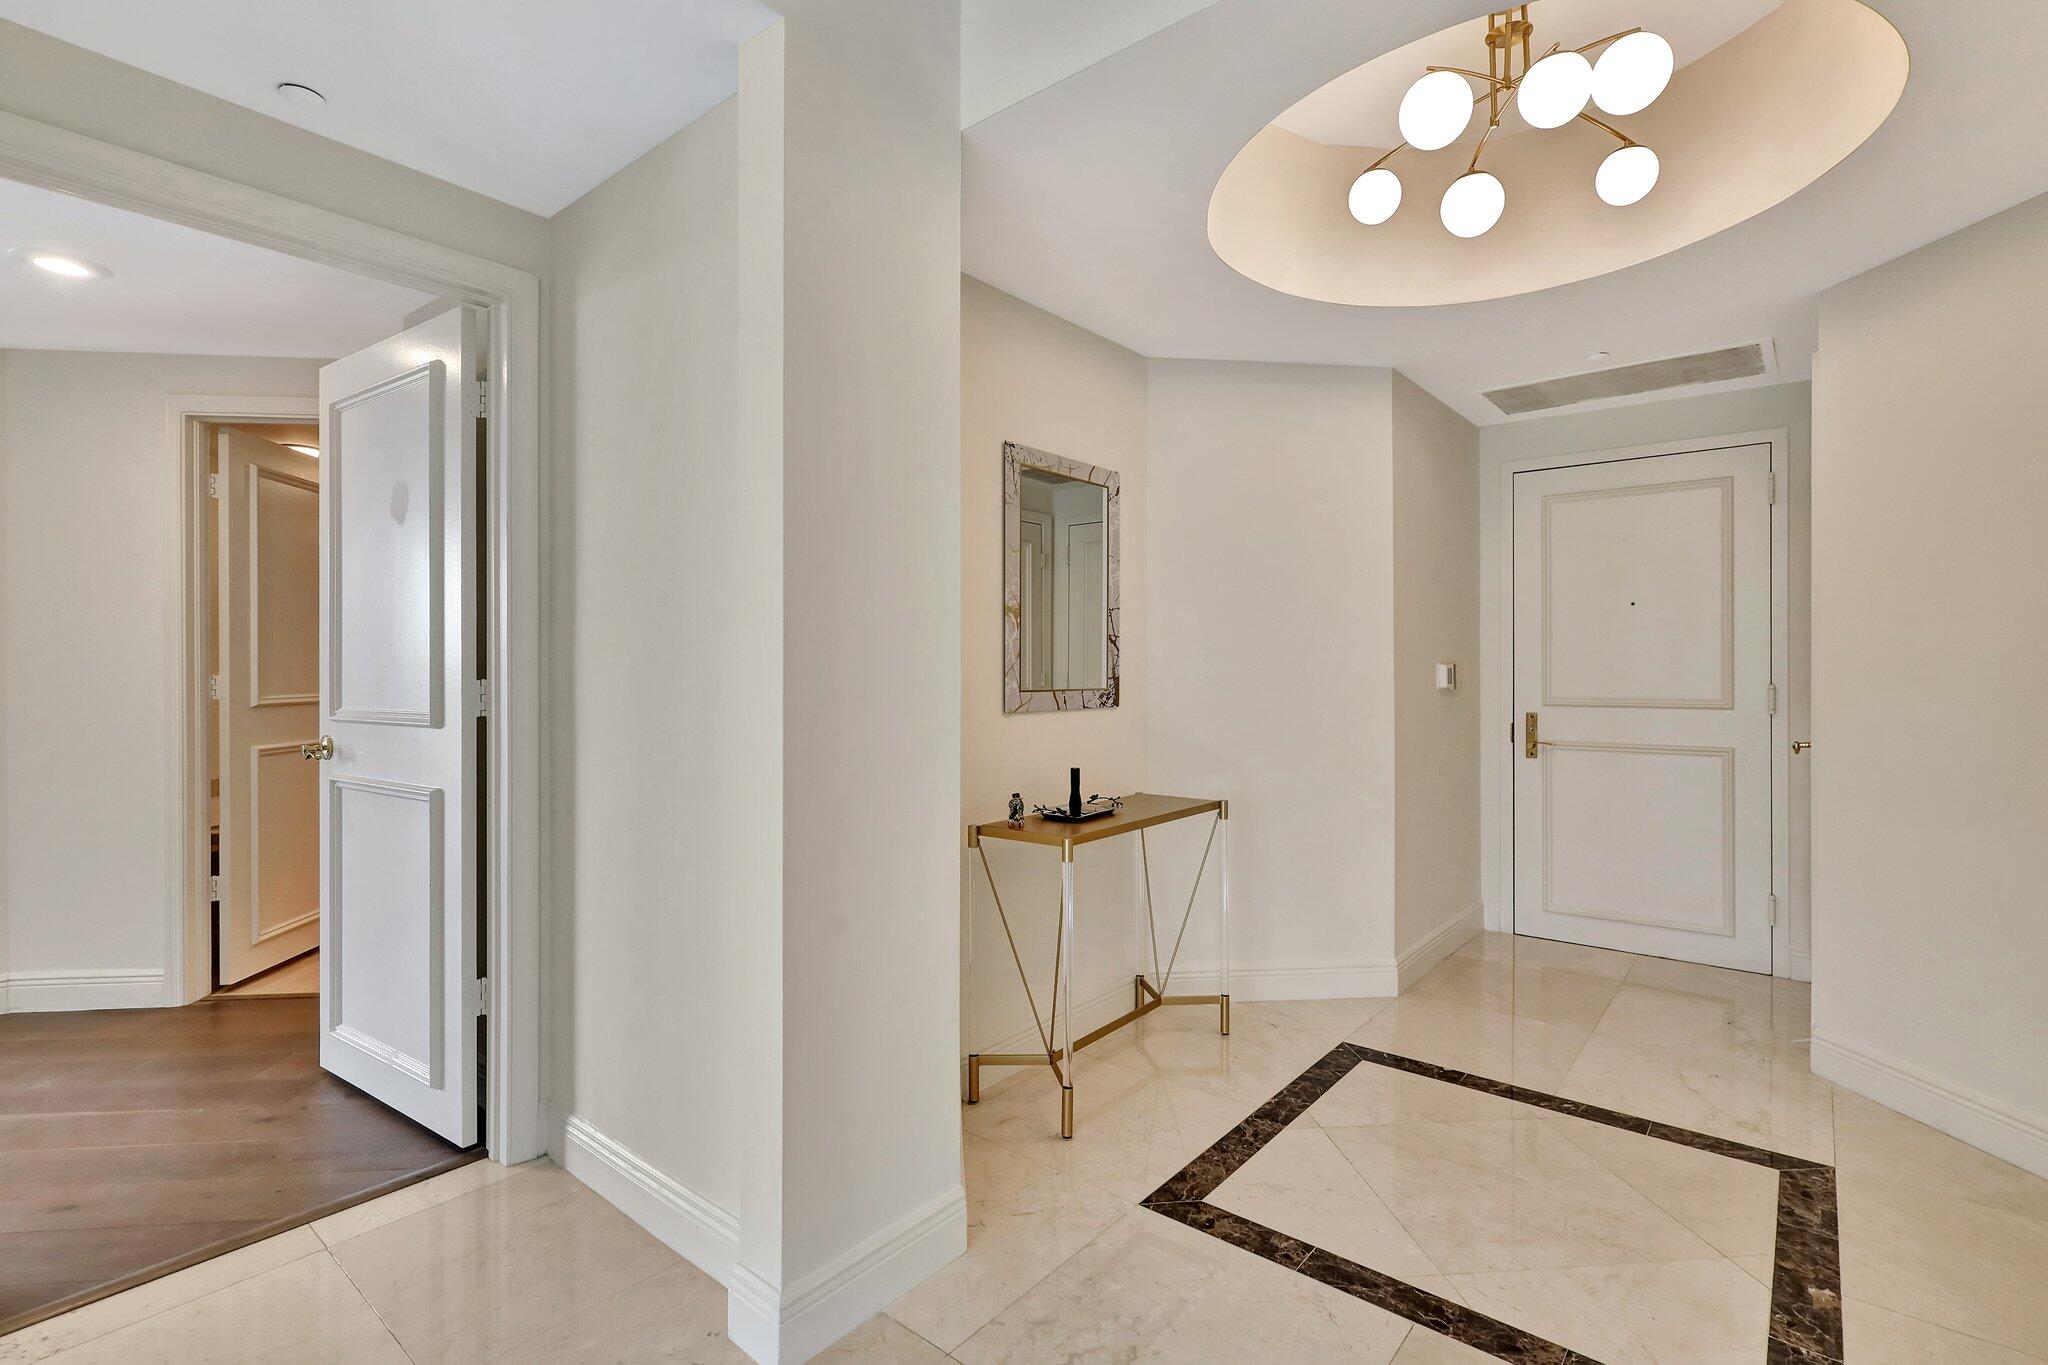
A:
(1090, 198)
(175, 290)
(532, 102)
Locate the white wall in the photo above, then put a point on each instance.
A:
(1930, 610)
(850, 346)
(1034, 378)
(89, 661)
(1768, 408)
(1270, 677)
(658, 764)
(1435, 554)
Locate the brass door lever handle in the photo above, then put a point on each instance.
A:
(1800, 746)
(324, 749)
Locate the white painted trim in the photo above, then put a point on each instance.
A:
(1779, 439)
(700, 1230)
(58, 159)
(1422, 958)
(33, 992)
(1799, 964)
(1957, 1110)
(839, 1296)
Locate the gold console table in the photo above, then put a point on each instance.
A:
(1140, 812)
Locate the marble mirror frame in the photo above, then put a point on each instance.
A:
(1016, 459)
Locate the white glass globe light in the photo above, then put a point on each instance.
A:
(1435, 110)
(1554, 90)
(1631, 73)
(1626, 175)
(1375, 195)
(1473, 204)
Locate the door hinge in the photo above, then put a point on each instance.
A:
(213, 487)
(480, 697)
(480, 398)
(1772, 484)
(213, 687)
(213, 888)
(476, 997)
(1774, 909)
(1773, 691)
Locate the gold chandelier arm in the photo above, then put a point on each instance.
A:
(1473, 165)
(1626, 140)
(1384, 158)
(1475, 75)
(1612, 37)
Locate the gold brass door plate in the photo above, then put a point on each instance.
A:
(1529, 741)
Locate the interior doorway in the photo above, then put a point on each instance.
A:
(1648, 637)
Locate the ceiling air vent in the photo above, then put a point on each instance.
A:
(1626, 381)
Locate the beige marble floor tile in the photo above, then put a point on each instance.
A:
(1873, 1141)
(1332, 1020)
(881, 1338)
(1760, 1268)
(1571, 1000)
(1300, 1184)
(1765, 1098)
(1878, 1336)
(1150, 1289)
(47, 1338)
(1972, 1267)
(1260, 1056)
(1023, 1219)
(1510, 1196)
(1424, 1347)
(304, 1311)
(1131, 1130)
(1680, 1312)
(375, 1213)
(676, 1316)
(1732, 1205)
(481, 1273)
(1484, 1042)
(1372, 1094)
(1543, 952)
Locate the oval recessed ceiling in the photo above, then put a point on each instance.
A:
(62, 264)
(1763, 98)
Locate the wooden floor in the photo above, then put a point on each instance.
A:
(136, 1142)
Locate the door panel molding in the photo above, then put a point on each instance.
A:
(259, 932)
(1724, 924)
(258, 676)
(431, 1070)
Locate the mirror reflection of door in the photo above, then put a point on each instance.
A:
(1035, 528)
(1065, 580)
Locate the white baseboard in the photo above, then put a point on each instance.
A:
(825, 1305)
(27, 992)
(1977, 1119)
(1799, 964)
(699, 1230)
(1274, 981)
(1421, 958)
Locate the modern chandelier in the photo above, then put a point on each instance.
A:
(1549, 92)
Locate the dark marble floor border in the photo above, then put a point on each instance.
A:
(1806, 1274)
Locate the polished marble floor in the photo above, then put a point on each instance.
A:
(1608, 1243)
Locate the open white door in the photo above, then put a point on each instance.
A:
(269, 689)
(399, 789)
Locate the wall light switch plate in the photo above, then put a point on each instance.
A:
(1446, 677)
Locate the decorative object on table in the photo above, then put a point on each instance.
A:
(1061, 620)
(1016, 810)
(1092, 808)
(1074, 792)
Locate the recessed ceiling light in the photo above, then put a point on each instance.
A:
(59, 263)
(301, 94)
(314, 451)
(1598, 355)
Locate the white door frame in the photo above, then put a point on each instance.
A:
(54, 158)
(1780, 442)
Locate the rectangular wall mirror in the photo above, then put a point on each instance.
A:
(1060, 618)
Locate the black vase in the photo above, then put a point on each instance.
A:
(1074, 792)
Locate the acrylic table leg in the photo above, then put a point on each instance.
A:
(1223, 912)
(1066, 970)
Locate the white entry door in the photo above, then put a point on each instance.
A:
(269, 690)
(398, 659)
(1642, 683)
